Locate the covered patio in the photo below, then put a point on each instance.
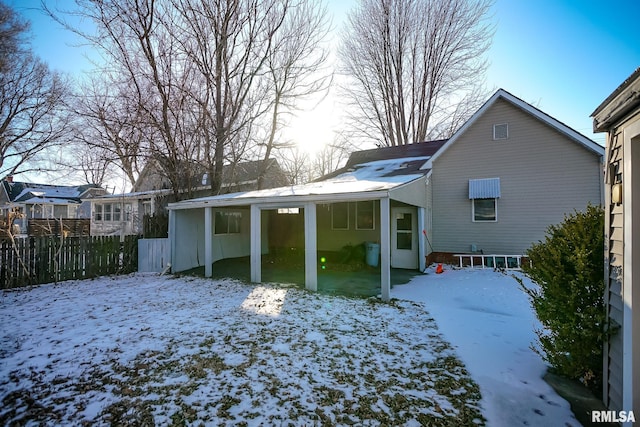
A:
(381, 201)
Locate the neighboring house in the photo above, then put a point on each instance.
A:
(124, 213)
(493, 187)
(242, 176)
(35, 201)
(619, 116)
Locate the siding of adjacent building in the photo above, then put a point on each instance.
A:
(543, 175)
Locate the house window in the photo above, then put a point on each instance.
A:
(484, 194)
(484, 210)
(48, 211)
(97, 212)
(146, 207)
(109, 212)
(340, 216)
(106, 212)
(60, 211)
(501, 131)
(365, 215)
(117, 212)
(227, 222)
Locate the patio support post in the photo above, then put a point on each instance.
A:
(310, 247)
(256, 244)
(421, 240)
(172, 238)
(385, 249)
(208, 244)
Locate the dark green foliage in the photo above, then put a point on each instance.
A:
(569, 269)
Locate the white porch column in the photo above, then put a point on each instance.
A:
(421, 246)
(385, 249)
(256, 244)
(208, 244)
(310, 247)
(172, 238)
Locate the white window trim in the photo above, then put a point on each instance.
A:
(333, 227)
(373, 212)
(473, 210)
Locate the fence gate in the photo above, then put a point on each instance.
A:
(153, 255)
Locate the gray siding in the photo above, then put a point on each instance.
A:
(614, 223)
(543, 175)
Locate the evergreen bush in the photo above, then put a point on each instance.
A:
(569, 301)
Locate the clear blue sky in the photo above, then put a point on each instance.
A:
(563, 56)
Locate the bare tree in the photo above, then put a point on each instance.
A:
(409, 61)
(33, 114)
(143, 62)
(12, 31)
(197, 72)
(330, 158)
(295, 70)
(295, 164)
(110, 128)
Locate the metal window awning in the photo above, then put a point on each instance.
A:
(488, 188)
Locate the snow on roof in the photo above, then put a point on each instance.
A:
(39, 200)
(47, 191)
(381, 175)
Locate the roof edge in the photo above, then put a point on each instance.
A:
(618, 104)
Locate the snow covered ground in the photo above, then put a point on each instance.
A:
(162, 350)
(490, 322)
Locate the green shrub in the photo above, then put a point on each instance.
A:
(569, 302)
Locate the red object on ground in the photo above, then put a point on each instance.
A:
(439, 269)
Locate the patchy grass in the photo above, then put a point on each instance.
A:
(178, 351)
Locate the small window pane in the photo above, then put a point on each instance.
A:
(484, 209)
(404, 222)
(403, 240)
(60, 211)
(234, 222)
(501, 131)
(107, 212)
(98, 213)
(340, 216)
(365, 215)
(116, 212)
(221, 223)
(227, 222)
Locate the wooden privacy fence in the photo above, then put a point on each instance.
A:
(38, 260)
